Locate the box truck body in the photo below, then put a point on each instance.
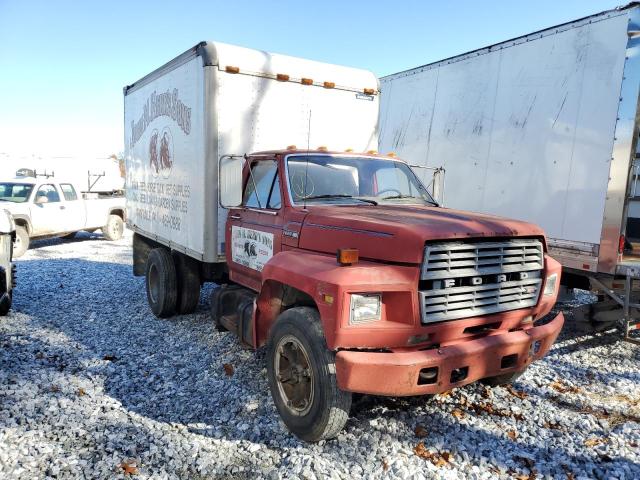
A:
(217, 101)
(540, 128)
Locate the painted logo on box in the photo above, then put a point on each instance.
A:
(251, 248)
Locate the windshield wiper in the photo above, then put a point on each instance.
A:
(396, 197)
(366, 200)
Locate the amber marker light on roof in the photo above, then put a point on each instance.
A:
(230, 69)
(347, 256)
(391, 154)
(306, 81)
(369, 91)
(282, 77)
(292, 147)
(329, 85)
(349, 150)
(322, 148)
(372, 152)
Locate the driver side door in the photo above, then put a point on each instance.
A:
(47, 211)
(254, 230)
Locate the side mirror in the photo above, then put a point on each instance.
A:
(230, 180)
(41, 199)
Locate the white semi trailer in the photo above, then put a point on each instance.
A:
(542, 128)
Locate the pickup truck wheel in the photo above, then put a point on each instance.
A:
(504, 379)
(69, 236)
(188, 277)
(302, 380)
(21, 243)
(114, 228)
(161, 283)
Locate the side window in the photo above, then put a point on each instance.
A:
(49, 192)
(68, 192)
(259, 184)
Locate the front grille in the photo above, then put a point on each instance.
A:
(469, 279)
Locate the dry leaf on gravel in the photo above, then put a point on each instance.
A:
(516, 393)
(438, 459)
(228, 369)
(592, 442)
(457, 413)
(385, 465)
(420, 431)
(558, 386)
(81, 392)
(512, 434)
(129, 468)
(54, 388)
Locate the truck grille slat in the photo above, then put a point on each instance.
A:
(509, 276)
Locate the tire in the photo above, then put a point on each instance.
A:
(161, 283)
(5, 303)
(21, 243)
(69, 236)
(114, 228)
(312, 406)
(504, 379)
(188, 280)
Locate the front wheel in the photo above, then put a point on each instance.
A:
(114, 228)
(302, 380)
(21, 242)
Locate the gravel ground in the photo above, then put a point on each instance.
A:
(92, 385)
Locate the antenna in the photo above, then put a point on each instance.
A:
(306, 167)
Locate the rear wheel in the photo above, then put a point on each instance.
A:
(188, 278)
(21, 243)
(161, 283)
(114, 228)
(302, 377)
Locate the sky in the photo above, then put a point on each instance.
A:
(63, 64)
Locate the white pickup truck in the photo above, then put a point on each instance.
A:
(42, 206)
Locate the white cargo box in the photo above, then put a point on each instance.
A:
(217, 100)
(540, 128)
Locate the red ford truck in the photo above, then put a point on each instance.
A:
(340, 263)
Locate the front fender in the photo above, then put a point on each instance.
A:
(328, 284)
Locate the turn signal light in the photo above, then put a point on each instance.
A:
(306, 81)
(347, 256)
(282, 77)
(230, 69)
(368, 91)
(621, 244)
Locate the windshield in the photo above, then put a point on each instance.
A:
(15, 192)
(349, 180)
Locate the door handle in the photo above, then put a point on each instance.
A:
(62, 207)
(235, 216)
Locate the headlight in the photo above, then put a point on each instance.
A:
(365, 308)
(550, 285)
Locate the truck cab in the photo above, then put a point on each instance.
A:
(357, 281)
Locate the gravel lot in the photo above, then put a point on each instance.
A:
(92, 385)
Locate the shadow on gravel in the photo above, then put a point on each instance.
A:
(172, 371)
(50, 242)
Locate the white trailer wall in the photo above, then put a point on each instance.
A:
(524, 131)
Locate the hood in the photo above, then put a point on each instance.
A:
(397, 233)
(13, 207)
